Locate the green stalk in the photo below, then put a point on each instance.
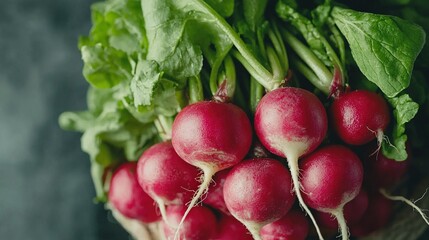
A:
(276, 66)
(313, 62)
(164, 126)
(277, 41)
(341, 46)
(195, 89)
(230, 75)
(256, 93)
(261, 74)
(215, 72)
(309, 74)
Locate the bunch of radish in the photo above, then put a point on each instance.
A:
(250, 119)
(207, 185)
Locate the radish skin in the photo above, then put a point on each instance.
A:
(331, 177)
(293, 226)
(258, 192)
(353, 212)
(214, 196)
(291, 122)
(200, 225)
(165, 177)
(212, 136)
(232, 229)
(359, 117)
(128, 198)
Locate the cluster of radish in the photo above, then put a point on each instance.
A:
(207, 183)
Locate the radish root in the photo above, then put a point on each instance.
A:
(254, 229)
(208, 173)
(162, 210)
(339, 215)
(407, 201)
(294, 169)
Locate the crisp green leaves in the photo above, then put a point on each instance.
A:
(109, 132)
(225, 8)
(384, 47)
(254, 12)
(104, 67)
(314, 38)
(178, 33)
(404, 110)
(117, 37)
(146, 77)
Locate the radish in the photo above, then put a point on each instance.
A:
(376, 216)
(199, 225)
(166, 177)
(331, 177)
(291, 122)
(359, 117)
(258, 192)
(382, 172)
(293, 226)
(214, 196)
(212, 136)
(353, 212)
(231, 229)
(126, 195)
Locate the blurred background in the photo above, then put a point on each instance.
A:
(45, 186)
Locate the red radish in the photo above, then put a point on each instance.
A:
(353, 212)
(258, 192)
(376, 216)
(291, 122)
(382, 172)
(231, 229)
(293, 226)
(359, 117)
(126, 195)
(214, 196)
(211, 136)
(331, 177)
(199, 225)
(166, 177)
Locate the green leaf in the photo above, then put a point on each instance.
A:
(404, 110)
(384, 47)
(117, 37)
(118, 24)
(143, 83)
(314, 38)
(224, 7)
(254, 12)
(76, 121)
(104, 67)
(179, 34)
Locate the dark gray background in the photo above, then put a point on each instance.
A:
(45, 187)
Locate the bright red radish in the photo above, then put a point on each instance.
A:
(166, 177)
(376, 216)
(199, 225)
(291, 122)
(293, 226)
(353, 212)
(359, 117)
(211, 136)
(231, 229)
(126, 195)
(214, 196)
(258, 192)
(331, 177)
